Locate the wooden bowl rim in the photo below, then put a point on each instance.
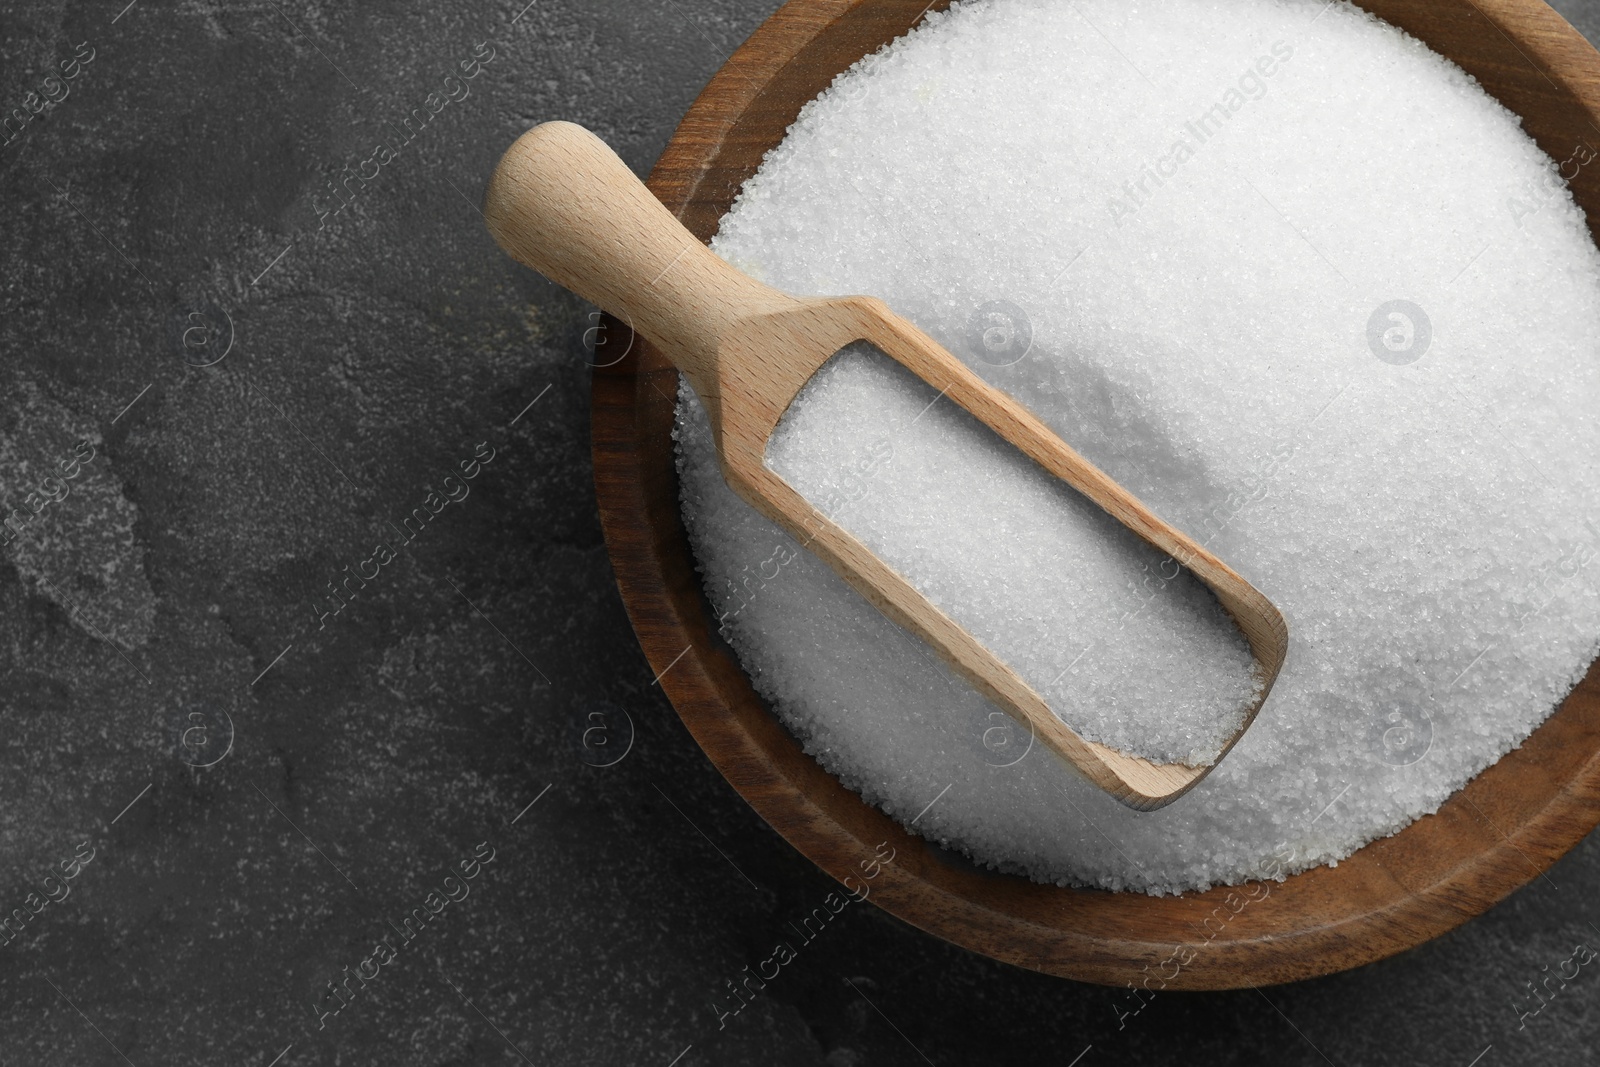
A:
(1484, 842)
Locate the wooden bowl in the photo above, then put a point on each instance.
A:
(1500, 831)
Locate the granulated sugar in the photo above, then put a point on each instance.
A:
(1295, 282)
(1126, 647)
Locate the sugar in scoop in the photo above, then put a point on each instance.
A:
(1125, 646)
(562, 202)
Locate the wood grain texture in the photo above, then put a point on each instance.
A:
(1500, 831)
(561, 202)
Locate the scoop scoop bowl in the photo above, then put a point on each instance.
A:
(562, 203)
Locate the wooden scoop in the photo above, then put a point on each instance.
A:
(564, 204)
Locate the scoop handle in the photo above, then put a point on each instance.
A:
(562, 203)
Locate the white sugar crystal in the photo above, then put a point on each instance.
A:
(1178, 233)
(1125, 646)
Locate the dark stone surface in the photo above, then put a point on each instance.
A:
(163, 611)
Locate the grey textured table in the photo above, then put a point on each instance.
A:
(253, 779)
